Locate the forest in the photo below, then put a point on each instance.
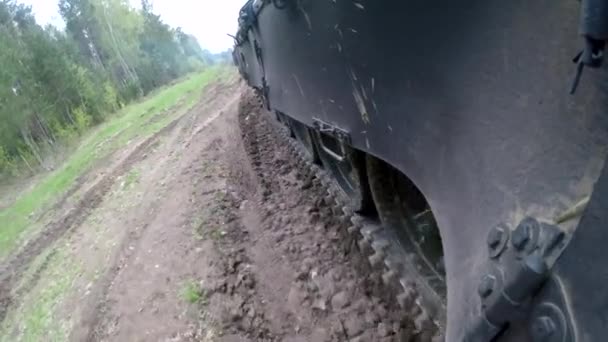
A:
(57, 83)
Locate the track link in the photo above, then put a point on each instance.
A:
(373, 242)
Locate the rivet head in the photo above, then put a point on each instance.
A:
(523, 233)
(495, 237)
(543, 327)
(497, 240)
(486, 287)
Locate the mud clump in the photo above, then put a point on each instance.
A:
(232, 293)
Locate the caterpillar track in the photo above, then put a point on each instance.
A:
(374, 244)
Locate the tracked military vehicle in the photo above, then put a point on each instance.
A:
(469, 139)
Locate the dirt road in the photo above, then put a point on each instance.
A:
(208, 231)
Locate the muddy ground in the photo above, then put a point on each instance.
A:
(208, 231)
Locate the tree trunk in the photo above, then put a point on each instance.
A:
(26, 163)
(125, 66)
(32, 146)
(48, 136)
(69, 115)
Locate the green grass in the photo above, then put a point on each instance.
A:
(131, 178)
(38, 321)
(192, 293)
(35, 266)
(138, 120)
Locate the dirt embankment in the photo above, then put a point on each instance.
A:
(209, 231)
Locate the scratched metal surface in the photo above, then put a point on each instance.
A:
(469, 99)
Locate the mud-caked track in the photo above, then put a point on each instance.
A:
(348, 285)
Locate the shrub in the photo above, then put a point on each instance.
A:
(82, 119)
(6, 164)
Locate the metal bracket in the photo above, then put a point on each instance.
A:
(519, 266)
(331, 130)
(265, 93)
(341, 135)
(594, 29)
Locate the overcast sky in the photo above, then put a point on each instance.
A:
(208, 20)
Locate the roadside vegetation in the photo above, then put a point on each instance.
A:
(83, 110)
(39, 315)
(55, 85)
(39, 323)
(136, 121)
(69, 97)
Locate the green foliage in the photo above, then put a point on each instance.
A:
(6, 163)
(63, 132)
(110, 97)
(195, 64)
(82, 119)
(192, 293)
(56, 84)
(137, 120)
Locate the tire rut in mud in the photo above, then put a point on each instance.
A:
(13, 269)
(241, 312)
(344, 277)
